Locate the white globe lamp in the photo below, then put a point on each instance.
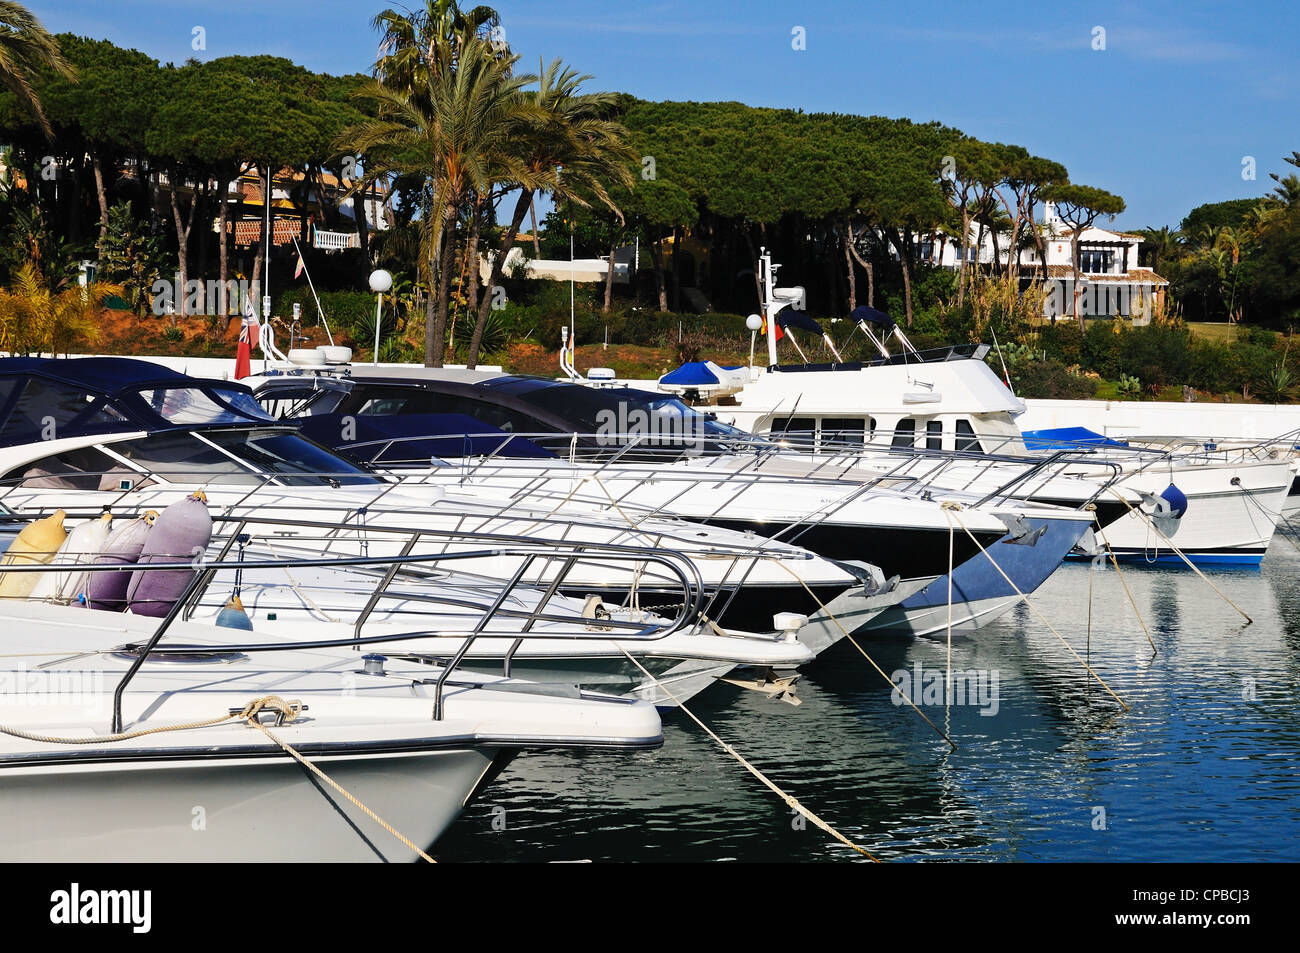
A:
(380, 282)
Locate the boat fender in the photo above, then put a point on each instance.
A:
(1167, 509)
(1176, 499)
(234, 616)
(83, 543)
(36, 544)
(182, 532)
(107, 590)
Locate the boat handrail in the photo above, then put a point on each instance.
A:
(568, 555)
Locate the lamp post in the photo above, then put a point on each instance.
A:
(380, 281)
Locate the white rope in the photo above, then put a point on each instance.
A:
(789, 799)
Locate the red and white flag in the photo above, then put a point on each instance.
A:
(249, 334)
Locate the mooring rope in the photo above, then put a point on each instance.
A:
(289, 749)
(955, 508)
(1122, 581)
(854, 642)
(293, 584)
(791, 801)
(1181, 554)
(286, 709)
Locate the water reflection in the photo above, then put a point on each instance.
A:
(1202, 767)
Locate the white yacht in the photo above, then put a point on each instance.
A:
(950, 401)
(558, 443)
(322, 504)
(141, 720)
(131, 434)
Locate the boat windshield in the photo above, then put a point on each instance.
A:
(188, 406)
(615, 410)
(242, 456)
(226, 457)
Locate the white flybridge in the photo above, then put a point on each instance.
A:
(114, 726)
(1214, 507)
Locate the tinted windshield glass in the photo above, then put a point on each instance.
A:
(381, 401)
(295, 461)
(298, 461)
(591, 409)
(305, 401)
(45, 407)
(193, 405)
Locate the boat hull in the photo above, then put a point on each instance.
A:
(233, 809)
(1224, 523)
(980, 592)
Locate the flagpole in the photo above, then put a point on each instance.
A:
(266, 266)
(307, 271)
(270, 237)
(573, 327)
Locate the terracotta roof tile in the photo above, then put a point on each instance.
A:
(1134, 276)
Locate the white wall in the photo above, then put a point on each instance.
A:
(1120, 418)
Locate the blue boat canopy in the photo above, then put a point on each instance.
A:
(864, 313)
(407, 438)
(797, 319)
(1066, 438)
(694, 374)
(73, 397)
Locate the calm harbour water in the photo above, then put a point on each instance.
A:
(1205, 766)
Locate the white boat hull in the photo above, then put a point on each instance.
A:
(229, 810)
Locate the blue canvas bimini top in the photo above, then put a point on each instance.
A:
(50, 398)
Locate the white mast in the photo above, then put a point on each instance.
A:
(770, 307)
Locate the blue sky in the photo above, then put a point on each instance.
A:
(1164, 115)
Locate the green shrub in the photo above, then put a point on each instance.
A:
(1062, 341)
(348, 312)
(1050, 379)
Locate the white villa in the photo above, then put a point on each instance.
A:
(1111, 282)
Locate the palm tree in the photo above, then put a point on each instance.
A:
(1207, 236)
(564, 143)
(416, 44)
(1164, 242)
(1287, 191)
(1233, 241)
(34, 318)
(1260, 217)
(451, 128)
(27, 48)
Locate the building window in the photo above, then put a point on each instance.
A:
(1096, 261)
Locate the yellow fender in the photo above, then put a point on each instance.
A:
(36, 544)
